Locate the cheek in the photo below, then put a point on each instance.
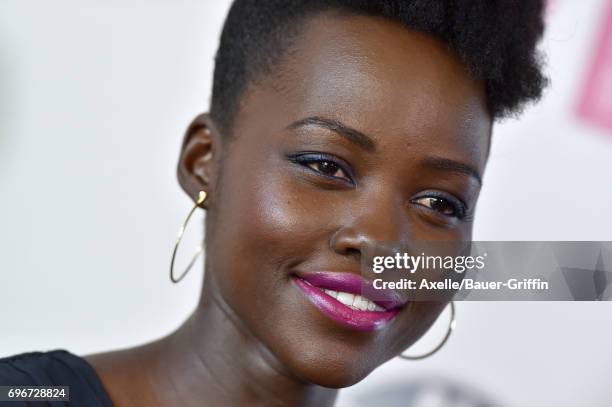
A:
(264, 226)
(270, 218)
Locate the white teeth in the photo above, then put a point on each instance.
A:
(356, 302)
(360, 303)
(331, 293)
(345, 298)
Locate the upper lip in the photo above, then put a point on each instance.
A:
(355, 284)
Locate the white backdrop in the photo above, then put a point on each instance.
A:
(94, 99)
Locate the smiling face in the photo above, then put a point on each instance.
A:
(367, 132)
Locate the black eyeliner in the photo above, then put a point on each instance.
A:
(307, 157)
(462, 208)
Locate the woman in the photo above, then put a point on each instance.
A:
(334, 125)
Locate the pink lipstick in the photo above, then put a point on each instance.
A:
(343, 297)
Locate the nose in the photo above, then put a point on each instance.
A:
(369, 225)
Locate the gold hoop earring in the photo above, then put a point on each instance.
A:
(201, 198)
(451, 327)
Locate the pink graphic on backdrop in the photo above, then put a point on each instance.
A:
(595, 105)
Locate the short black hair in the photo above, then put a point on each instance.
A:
(496, 39)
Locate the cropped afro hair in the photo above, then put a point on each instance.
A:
(496, 39)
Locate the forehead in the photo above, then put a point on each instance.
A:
(391, 83)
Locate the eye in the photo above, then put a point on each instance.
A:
(328, 168)
(324, 164)
(446, 206)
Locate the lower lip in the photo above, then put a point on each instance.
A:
(340, 313)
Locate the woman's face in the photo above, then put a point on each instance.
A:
(366, 132)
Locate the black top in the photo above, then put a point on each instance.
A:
(56, 368)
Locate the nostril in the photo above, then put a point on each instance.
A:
(352, 252)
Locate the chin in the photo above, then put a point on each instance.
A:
(332, 368)
(333, 377)
(336, 377)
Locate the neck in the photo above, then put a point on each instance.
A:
(214, 359)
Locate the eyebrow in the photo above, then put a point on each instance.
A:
(352, 135)
(368, 144)
(445, 164)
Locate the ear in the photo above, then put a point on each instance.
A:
(196, 166)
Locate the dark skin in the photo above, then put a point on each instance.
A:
(398, 121)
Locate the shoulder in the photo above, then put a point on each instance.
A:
(36, 367)
(56, 368)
